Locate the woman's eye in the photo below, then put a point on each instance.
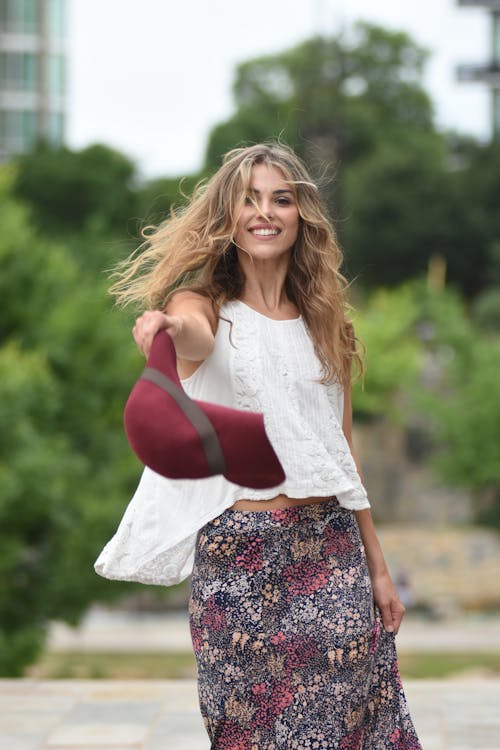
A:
(248, 200)
(283, 201)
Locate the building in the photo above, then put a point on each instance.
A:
(32, 74)
(488, 73)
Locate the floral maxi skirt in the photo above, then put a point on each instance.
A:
(290, 651)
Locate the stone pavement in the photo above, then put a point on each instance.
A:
(163, 715)
(100, 715)
(458, 714)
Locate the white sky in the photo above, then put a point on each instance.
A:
(151, 77)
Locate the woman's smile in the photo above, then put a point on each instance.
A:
(265, 231)
(269, 216)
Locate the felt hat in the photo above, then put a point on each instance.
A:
(181, 438)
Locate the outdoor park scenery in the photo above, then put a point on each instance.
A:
(416, 211)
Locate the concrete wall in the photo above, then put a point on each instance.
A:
(401, 483)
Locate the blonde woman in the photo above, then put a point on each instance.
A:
(292, 609)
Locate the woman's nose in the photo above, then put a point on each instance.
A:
(266, 209)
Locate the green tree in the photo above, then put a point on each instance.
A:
(399, 204)
(386, 324)
(467, 422)
(66, 472)
(354, 107)
(431, 369)
(34, 510)
(355, 103)
(462, 400)
(158, 196)
(330, 98)
(85, 196)
(476, 190)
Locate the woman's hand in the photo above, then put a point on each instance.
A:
(147, 326)
(384, 591)
(387, 600)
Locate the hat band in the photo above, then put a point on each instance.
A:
(197, 417)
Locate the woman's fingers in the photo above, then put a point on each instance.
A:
(398, 611)
(392, 612)
(387, 600)
(387, 619)
(146, 327)
(392, 615)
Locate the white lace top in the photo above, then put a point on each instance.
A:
(262, 365)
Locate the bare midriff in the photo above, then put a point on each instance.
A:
(280, 501)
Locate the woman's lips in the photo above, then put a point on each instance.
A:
(264, 231)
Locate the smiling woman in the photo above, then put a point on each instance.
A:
(268, 222)
(293, 612)
(203, 247)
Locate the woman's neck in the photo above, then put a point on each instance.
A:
(272, 302)
(264, 285)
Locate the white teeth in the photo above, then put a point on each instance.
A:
(264, 232)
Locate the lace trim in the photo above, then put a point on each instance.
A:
(163, 569)
(327, 476)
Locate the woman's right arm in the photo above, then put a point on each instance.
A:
(189, 319)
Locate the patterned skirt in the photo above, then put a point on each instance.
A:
(290, 651)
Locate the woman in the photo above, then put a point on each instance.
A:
(293, 612)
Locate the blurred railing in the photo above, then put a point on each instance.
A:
(491, 4)
(489, 74)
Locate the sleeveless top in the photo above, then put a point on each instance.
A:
(258, 364)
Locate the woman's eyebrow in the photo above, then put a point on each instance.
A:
(275, 192)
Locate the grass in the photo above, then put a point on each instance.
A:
(429, 665)
(181, 665)
(115, 666)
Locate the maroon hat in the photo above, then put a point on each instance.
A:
(184, 439)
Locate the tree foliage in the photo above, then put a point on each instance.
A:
(386, 325)
(429, 366)
(66, 189)
(66, 366)
(398, 201)
(157, 197)
(329, 97)
(354, 107)
(468, 420)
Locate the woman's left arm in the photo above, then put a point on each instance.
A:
(384, 592)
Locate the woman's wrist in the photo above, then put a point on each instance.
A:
(375, 559)
(377, 567)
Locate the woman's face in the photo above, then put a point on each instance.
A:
(267, 226)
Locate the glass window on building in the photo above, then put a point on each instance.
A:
(19, 16)
(18, 71)
(17, 131)
(28, 129)
(496, 113)
(496, 39)
(56, 18)
(56, 128)
(56, 74)
(3, 137)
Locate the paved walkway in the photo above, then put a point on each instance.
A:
(461, 714)
(163, 715)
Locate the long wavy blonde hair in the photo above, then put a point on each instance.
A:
(194, 250)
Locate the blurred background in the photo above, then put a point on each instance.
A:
(110, 112)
